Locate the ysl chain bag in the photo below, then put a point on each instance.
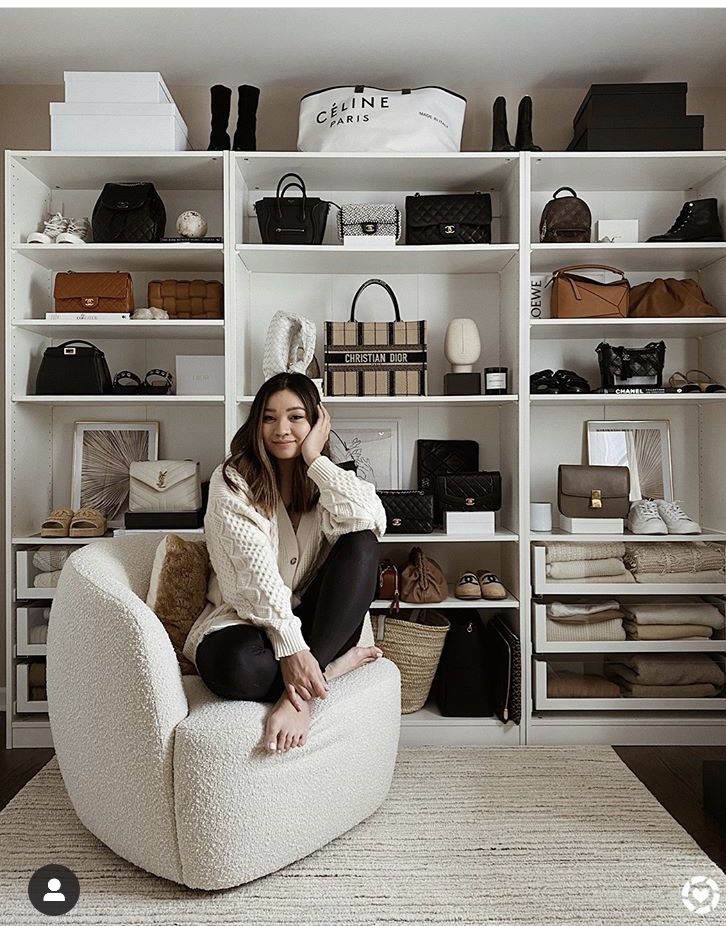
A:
(128, 213)
(449, 218)
(408, 511)
(470, 491)
(593, 491)
(565, 219)
(368, 220)
(292, 219)
(631, 366)
(164, 485)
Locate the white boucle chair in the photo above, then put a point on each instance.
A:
(173, 778)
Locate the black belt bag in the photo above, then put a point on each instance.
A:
(72, 370)
(408, 511)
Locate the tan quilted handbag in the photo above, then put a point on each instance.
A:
(93, 292)
(198, 299)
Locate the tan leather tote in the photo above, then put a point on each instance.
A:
(575, 296)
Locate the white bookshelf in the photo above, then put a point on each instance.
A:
(524, 437)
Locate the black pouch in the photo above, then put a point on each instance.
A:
(71, 370)
(449, 218)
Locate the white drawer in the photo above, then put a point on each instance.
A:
(542, 585)
(717, 643)
(26, 620)
(542, 702)
(22, 693)
(25, 573)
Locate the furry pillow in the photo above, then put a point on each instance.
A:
(178, 590)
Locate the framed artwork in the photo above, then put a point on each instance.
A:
(643, 446)
(373, 447)
(102, 453)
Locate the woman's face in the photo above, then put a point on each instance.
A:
(285, 425)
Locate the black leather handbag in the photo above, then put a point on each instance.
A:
(128, 213)
(71, 370)
(449, 218)
(408, 511)
(631, 366)
(440, 457)
(292, 219)
(462, 686)
(504, 663)
(470, 491)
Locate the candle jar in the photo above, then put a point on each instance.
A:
(495, 381)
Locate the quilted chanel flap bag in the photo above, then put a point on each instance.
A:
(440, 457)
(408, 511)
(470, 491)
(128, 213)
(593, 491)
(164, 485)
(368, 220)
(449, 218)
(187, 298)
(576, 296)
(93, 292)
(631, 366)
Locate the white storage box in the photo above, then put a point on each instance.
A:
(27, 619)
(200, 375)
(116, 87)
(469, 522)
(592, 525)
(369, 242)
(617, 231)
(22, 692)
(117, 127)
(25, 573)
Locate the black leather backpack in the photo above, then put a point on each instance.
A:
(128, 213)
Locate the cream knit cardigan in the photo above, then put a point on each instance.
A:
(260, 566)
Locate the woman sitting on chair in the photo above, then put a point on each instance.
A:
(293, 542)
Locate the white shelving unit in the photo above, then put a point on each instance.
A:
(524, 437)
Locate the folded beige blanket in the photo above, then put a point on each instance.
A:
(598, 617)
(666, 631)
(694, 556)
(667, 612)
(562, 684)
(52, 557)
(666, 668)
(36, 673)
(47, 579)
(686, 578)
(38, 634)
(669, 691)
(579, 569)
(594, 580)
(568, 608)
(564, 631)
(568, 552)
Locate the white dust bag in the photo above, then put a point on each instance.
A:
(426, 119)
(289, 345)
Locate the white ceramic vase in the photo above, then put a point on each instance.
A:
(462, 345)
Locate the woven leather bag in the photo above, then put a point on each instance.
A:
(576, 296)
(565, 219)
(198, 299)
(470, 491)
(669, 298)
(93, 292)
(449, 218)
(129, 213)
(408, 511)
(631, 366)
(422, 579)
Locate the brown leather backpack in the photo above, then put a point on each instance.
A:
(565, 220)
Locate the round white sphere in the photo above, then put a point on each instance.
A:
(191, 224)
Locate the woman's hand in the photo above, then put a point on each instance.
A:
(313, 444)
(303, 678)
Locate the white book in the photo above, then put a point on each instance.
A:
(86, 316)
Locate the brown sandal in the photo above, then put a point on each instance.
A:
(57, 523)
(88, 522)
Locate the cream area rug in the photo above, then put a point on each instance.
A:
(506, 835)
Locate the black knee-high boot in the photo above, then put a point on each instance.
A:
(523, 140)
(500, 135)
(221, 102)
(245, 136)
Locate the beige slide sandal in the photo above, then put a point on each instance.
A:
(88, 522)
(57, 523)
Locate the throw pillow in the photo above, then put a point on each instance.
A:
(178, 590)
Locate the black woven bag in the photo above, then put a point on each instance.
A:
(631, 366)
(408, 511)
(449, 218)
(128, 213)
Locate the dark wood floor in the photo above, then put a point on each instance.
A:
(673, 774)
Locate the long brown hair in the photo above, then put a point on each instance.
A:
(250, 459)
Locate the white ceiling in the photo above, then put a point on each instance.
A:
(313, 48)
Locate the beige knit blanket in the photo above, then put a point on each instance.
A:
(581, 569)
(594, 618)
(625, 577)
(565, 632)
(561, 609)
(667, 612)
(686, 578)
(568, 552)
(562, 684)
(695, 556)
(669, 691)
(47, 579)
(666, 668)
(666, 631)
(50, 558)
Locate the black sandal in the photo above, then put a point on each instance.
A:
(543, 383)
(570, 382)
(132, 388)
(161, 388)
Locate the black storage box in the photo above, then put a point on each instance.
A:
(636, 117)
(163, 520)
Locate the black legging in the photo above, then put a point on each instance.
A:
(238, 661)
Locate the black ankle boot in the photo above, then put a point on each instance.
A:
(500, 136)
(221, 101)
(245, 136)
(523, 140)
(698, 221)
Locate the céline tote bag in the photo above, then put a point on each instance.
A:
(359, 118)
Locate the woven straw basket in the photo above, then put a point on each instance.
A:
(416, 649)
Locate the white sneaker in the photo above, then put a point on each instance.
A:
(77, 232)
(676, 519)
(644, 518)
(54, 226)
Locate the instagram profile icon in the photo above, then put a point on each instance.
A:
(700, 895)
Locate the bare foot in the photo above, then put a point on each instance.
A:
(356, 656)
(286, 727)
